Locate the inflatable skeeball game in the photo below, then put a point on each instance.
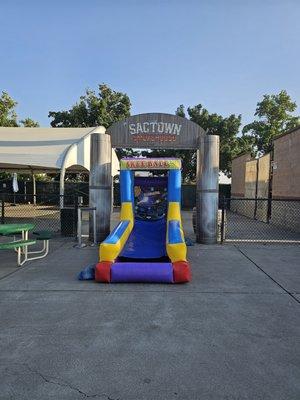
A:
(148, 243)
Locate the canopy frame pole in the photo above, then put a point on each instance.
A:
(62, 186)
(33, 186)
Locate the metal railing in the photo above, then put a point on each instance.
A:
(80, 235)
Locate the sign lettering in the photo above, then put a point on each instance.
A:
(148, 163)
(153, 127)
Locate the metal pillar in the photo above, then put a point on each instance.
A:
(33, 188)
(62, 186)
(100, 184)
(207, 189)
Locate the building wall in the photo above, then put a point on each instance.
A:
(238, 175)
(286, 170)
(286, 181)
(263, 176)
(248, 208)
(238, 183)
(263, 184)
(250, 178)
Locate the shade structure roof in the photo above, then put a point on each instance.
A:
(48, 149)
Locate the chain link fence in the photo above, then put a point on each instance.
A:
(260, 220)
(46, 211)
(240, 219)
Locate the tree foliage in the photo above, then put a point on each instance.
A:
(9, 118)
(274, 117)
(8, 115)
(103, 108)
(95, 109)
(227, 128)
(29, 123)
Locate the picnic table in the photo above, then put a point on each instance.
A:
(21, 246)
(10, 229)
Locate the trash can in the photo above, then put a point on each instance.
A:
(68, 221)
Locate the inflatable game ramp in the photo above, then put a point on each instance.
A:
(148, 243)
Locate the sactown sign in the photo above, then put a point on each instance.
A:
(155, 130)
(155, 127)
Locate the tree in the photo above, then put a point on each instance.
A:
(9, 118)
(29, 123)
(227, 128)
(8, 115)
(274, 117)
(230, 143)
(180, 111)
(104, 108)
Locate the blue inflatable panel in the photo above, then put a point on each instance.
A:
(117, 233)
(174, 235)
(142, 272)
(126, 186)
(147, 240)
(174, 185)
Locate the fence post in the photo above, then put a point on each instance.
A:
(2, 209)
(79, 228)
(76, 214)
(223, 220)
(269, 210)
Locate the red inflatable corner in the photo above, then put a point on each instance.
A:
(102, 271)
(181, 272)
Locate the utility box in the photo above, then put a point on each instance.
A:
(68, 221)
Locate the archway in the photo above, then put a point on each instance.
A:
(160, 131)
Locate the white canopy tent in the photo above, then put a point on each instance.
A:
(38, 150)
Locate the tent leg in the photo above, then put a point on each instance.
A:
(62, 187)
(34, 188)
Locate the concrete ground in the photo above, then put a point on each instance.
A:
(232, 333)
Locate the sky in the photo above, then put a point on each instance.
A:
(224, 54)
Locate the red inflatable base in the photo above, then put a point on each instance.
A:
(181, 272)
(102, 271)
